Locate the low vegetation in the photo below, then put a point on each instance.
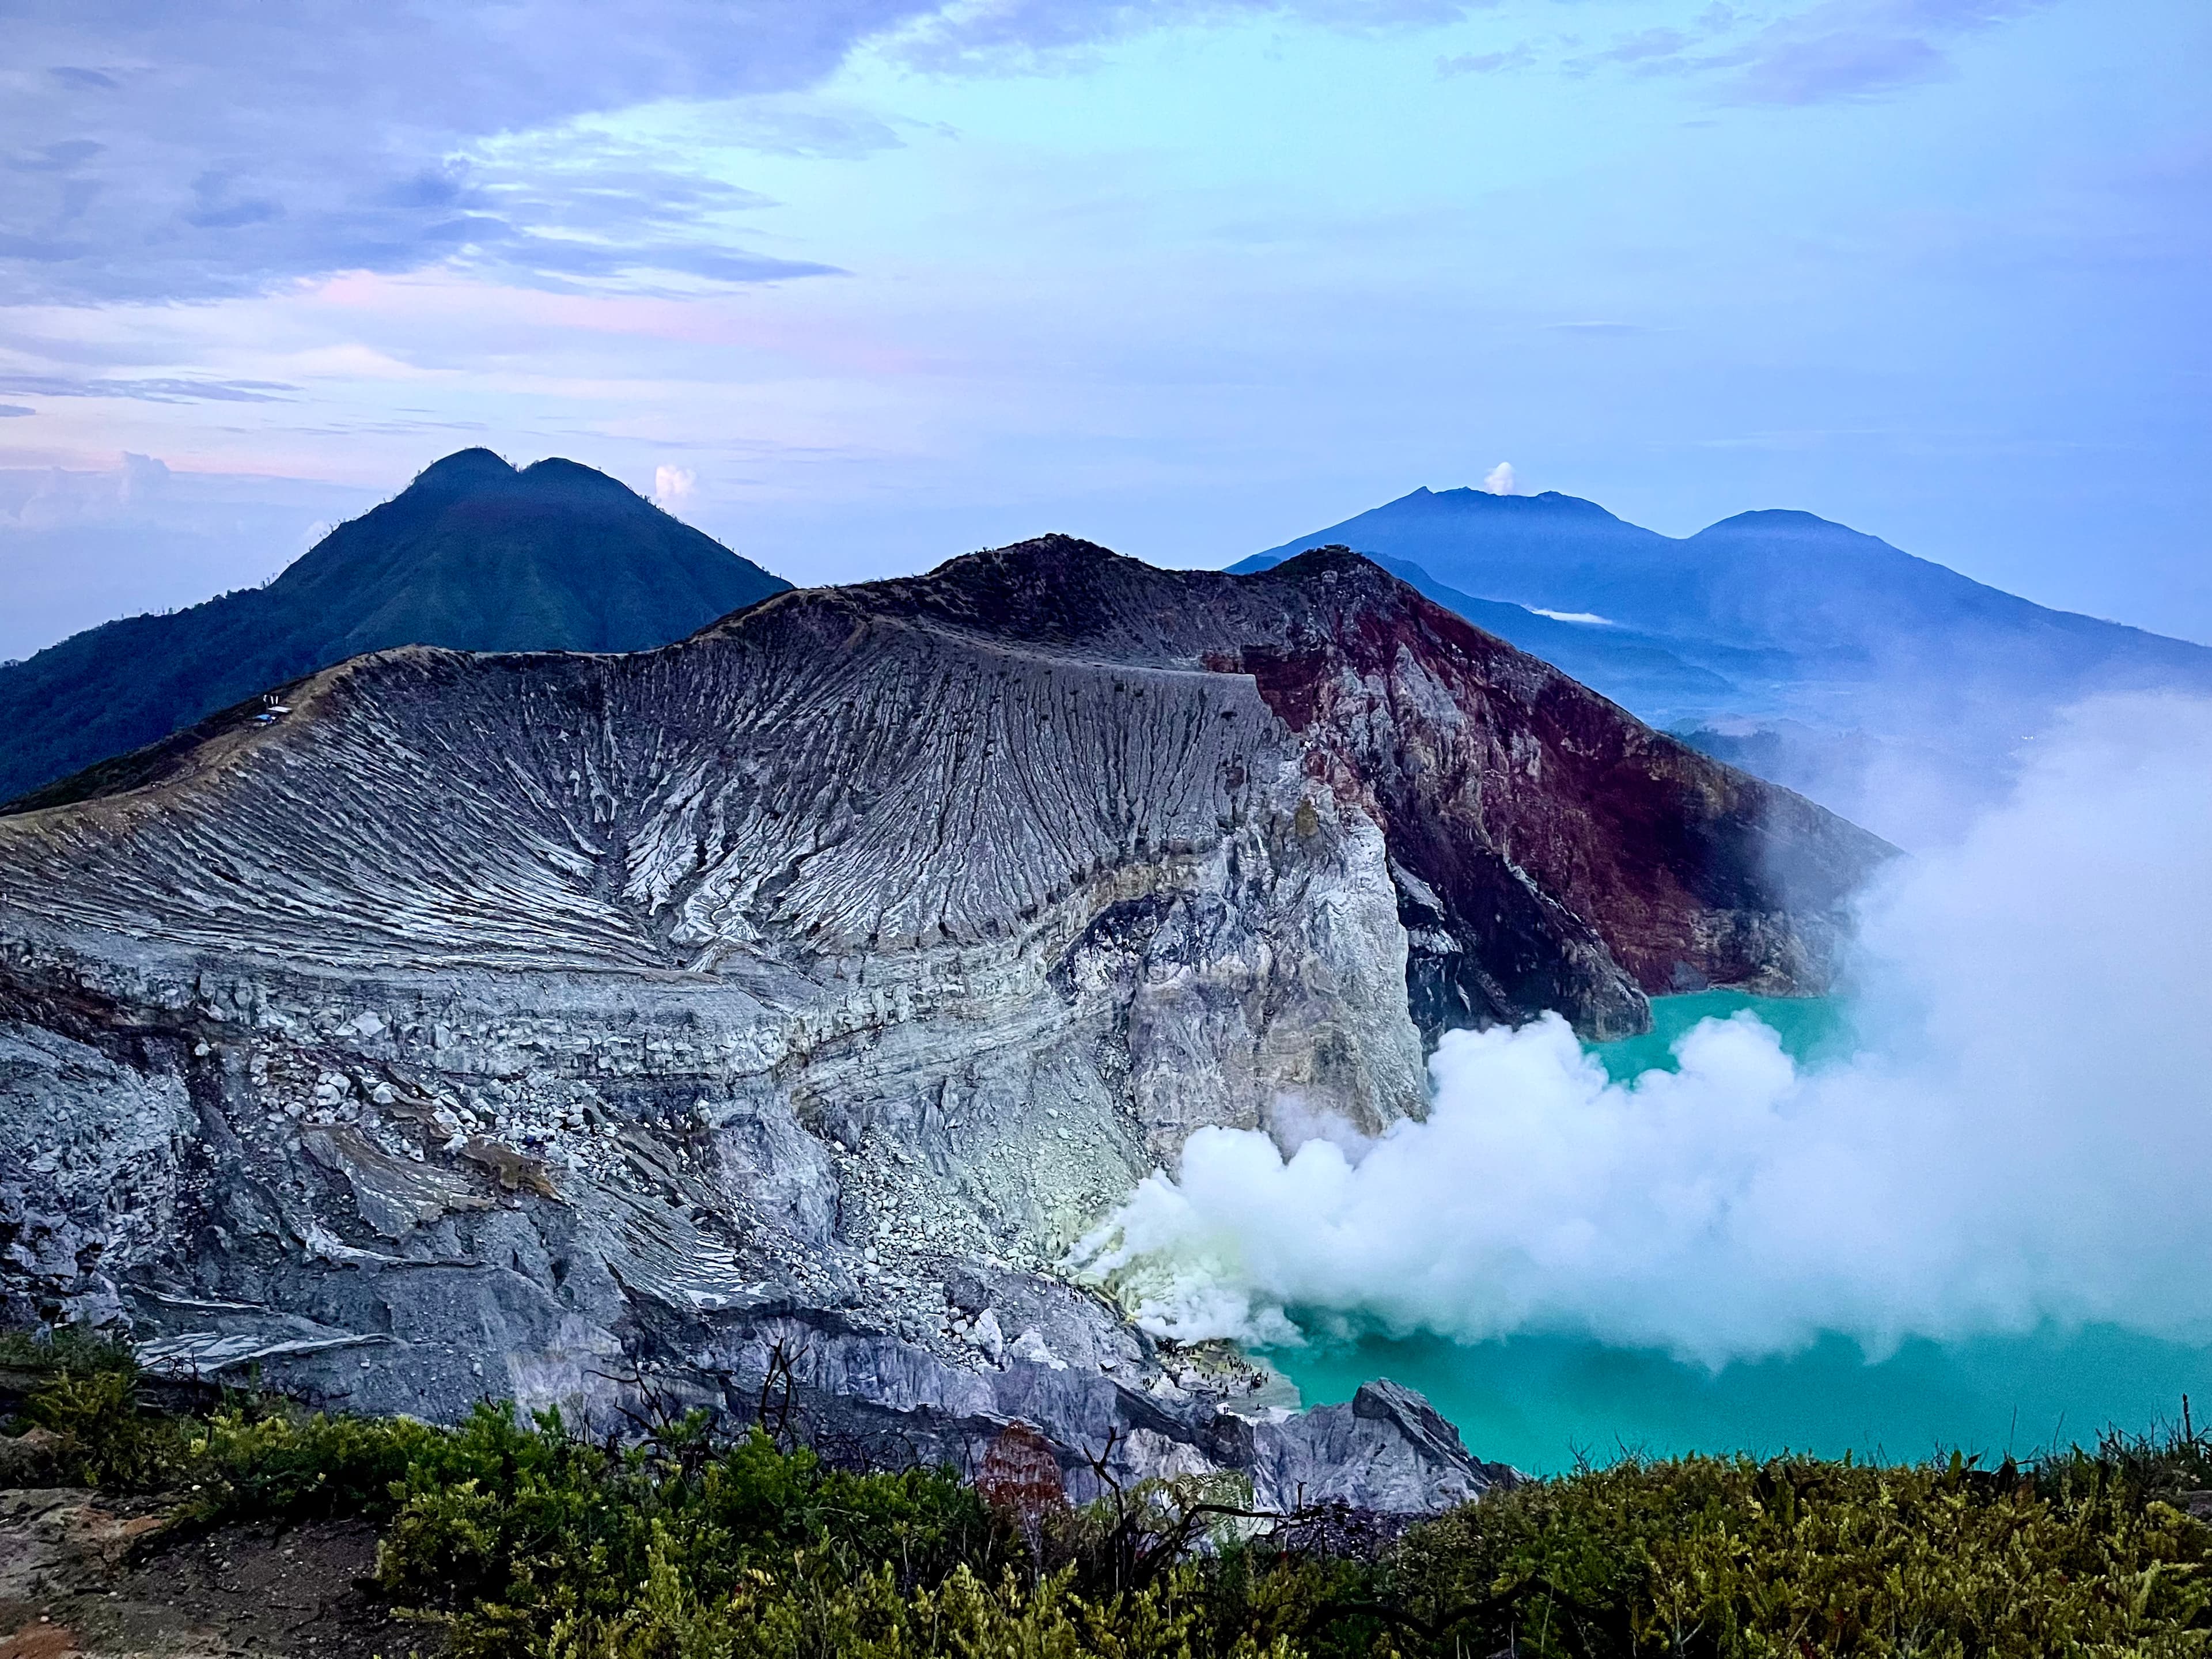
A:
(501, 1537)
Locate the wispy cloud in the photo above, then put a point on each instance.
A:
(386, 428)
(1660, 45)
(152, 390)
(1854, 49)
(991, 34)
(1834, 51)
(164, 152)
(1586, 618)
(1519, 56)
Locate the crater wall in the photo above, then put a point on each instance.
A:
(778, 1005)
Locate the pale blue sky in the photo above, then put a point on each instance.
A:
(888, 280)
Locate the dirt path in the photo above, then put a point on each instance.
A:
(68, 1586)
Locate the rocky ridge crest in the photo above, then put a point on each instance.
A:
(757, 1019)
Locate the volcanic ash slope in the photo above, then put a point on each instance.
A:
(583, 1028)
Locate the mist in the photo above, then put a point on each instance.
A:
(2020, 1136)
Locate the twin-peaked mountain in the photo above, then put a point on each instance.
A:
(475, 555)
(1763, 581)
(1887, 686)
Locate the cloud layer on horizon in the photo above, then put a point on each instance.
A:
(80, 547)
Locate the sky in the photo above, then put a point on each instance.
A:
(860, 285)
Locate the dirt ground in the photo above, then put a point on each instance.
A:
(81, 1574)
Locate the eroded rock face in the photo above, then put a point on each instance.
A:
(764, 1015)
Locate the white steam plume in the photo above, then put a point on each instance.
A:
(1499, 481)
(2026, 1134)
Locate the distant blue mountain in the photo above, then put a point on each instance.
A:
(1760, 579)
(1638, 671)
(1796, 647)
(473, 554)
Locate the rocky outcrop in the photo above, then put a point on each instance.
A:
(763, 1015)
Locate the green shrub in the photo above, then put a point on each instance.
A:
(506, 1532)
(106, 1439)
(263, 1458)
(962, 1616)
(66, 1348)
(1729, 1556)
(524, 1540)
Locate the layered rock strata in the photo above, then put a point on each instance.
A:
(761, 1016)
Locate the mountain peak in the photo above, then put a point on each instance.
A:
(1546, 503)
(465, 469)
(480, 473)
(1327, 561)
(557, 474)
(472, 555)
(1781, 520)
(1054, 549)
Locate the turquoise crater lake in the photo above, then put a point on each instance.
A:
(1542, 1403)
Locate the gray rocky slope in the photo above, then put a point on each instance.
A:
(759, 1018)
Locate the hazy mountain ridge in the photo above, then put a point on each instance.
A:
(1891, 688)
(1638, 671)
(475, 555)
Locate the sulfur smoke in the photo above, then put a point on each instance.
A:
(2023, 1135)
